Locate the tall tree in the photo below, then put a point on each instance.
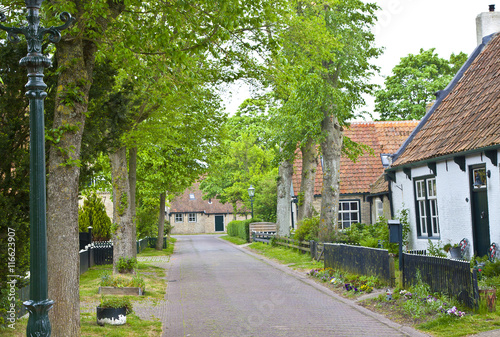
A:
(413, 83)
(134, 32)
(323, 69)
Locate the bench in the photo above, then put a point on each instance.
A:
(262, 231)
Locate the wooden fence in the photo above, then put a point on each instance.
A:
(443, 275)
(360, 260)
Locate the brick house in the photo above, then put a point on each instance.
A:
(190, 214)
(364, 193)
(446, 174)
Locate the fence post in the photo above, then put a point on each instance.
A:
(392, 271)
(90, 239)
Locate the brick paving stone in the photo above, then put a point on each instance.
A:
(218, 289)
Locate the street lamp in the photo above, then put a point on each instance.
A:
(251, 194)
(39, 304)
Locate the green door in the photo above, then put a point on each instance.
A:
(480, 218)
(219, 223)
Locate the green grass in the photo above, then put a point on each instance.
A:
(135, 327)
(234, 239)
(290, 257)
(89, 285)
(447, 326)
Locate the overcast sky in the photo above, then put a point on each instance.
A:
(405, 26)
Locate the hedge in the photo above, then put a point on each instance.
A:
(240, 229)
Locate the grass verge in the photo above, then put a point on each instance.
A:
(154, 278)
(233, 239)
(291, 257)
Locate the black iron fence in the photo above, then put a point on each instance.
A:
(152, 242)
(443, 275)
(360, 260)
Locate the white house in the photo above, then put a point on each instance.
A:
(446, 173)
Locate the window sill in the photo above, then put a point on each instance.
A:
(428, 237)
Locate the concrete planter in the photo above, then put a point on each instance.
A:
(112, 316)
(121, 291)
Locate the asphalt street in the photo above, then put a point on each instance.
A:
(218, 289)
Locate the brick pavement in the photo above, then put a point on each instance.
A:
(218, 289)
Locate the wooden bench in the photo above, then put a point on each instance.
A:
(262, 231)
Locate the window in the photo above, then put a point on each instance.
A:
(379, 208)
(192, 217)
(348, 213)
(191, 196)
(179, 218)
(427, 208)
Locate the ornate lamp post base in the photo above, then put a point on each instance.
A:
(38, 322)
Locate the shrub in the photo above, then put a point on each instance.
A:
(492, 269)
(116, 302)
(240, 229)
(93, 213)
(307, 229)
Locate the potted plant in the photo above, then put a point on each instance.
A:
(454, 250)
(121, 284)
(113, 310)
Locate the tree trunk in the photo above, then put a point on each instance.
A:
(76, 59)
(331, 147)
(62, 189)
(284, 208)
(235, 210)
(161, 223)
(309, 166)
(124, 241)
(132, 180)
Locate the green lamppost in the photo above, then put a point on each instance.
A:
(251, 194)
(39, 304)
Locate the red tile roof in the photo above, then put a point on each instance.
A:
(468, 117)
(356, 177)
(183, 203)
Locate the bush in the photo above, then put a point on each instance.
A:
(93, 213)
(492, 269)
(307, 229)
(240, 229)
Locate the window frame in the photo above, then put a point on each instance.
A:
(341, 211)
(180, 215)
(192, 216)
(426, 207)
(379, 208)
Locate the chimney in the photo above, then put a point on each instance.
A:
(487, 23)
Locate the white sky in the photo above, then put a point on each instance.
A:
(405, 26)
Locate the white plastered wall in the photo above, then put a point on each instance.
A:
(454, 204)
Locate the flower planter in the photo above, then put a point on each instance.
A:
(456, 253)
(121, 291)
(112, 316)
(490, 296)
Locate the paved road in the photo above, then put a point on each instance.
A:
(218, 289)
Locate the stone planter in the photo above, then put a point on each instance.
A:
(489, 296)
(121, 291)
(112, 316)
(456, 253)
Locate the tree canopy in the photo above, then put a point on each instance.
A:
(413, 83)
